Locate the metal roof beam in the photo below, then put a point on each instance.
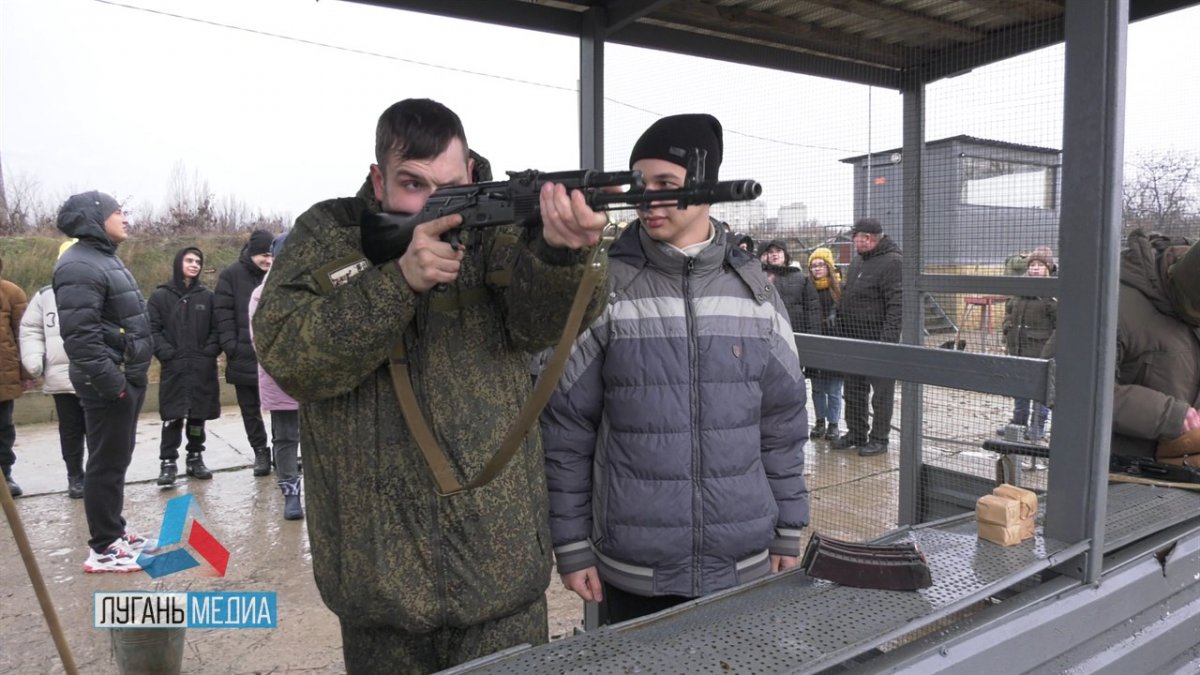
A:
(724, 49)
(511, 13)
(873, 11)
(621, 13)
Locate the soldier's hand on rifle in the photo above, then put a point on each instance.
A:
(429, 261)
(1191, 420)
(567, 220)
(585, 583)
(780, 563)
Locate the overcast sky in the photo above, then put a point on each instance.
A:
(274, 101)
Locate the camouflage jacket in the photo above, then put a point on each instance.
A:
(386, 548)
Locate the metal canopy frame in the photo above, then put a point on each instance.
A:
(905, 45)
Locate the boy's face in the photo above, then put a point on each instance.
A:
(1037, 268)
(191, 265)
(116, 226)
(403, 185)
(666, 222)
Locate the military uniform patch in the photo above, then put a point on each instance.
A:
(340, 272)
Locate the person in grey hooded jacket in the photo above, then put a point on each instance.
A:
(674, 440)
(106, 334)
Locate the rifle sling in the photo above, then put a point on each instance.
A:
(447, 483)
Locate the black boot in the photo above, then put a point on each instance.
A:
(75, 486)
(196, 468)
(292, 508)
(13, 489)
(167, 471)
(831, 431)
(262, 461)
(818, 430)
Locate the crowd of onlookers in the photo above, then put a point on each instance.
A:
(90, 335)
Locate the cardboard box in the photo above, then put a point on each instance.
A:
(1029, 506)
(1027, 498)
(998, 510)
(1000, 534)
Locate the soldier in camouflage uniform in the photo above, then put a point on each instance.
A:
(422, 582)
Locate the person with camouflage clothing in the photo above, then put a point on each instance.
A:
(420, 581)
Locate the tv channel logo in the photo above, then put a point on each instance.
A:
(185, 609)
(184, 543)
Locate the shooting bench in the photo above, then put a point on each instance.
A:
(792, 623)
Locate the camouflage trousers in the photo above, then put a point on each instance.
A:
(387, 649)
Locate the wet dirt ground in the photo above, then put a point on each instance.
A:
(267, 553)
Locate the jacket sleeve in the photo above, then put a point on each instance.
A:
(224, 310)
(784, 429)
(569, 425)
(163, 349)
(319, 341)
(21, 302)
(33, 335)
(543, 286)
(812, 308)
(212, 344)
(893, 304)
(1142, 412)
(80, 291)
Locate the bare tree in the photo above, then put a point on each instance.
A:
(189, 201)
(1162, 192)
(27, 210)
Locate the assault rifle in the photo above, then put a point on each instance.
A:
(385, 236)
(1144, 467)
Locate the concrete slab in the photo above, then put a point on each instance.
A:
(39, 469)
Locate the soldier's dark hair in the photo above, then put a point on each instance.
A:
(417, 128)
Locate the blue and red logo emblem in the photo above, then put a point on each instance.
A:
(184, 543)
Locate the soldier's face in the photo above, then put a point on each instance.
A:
(676, 226)
(403, 185)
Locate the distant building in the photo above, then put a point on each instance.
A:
(741, 216)
(983, 199)
(793, 216)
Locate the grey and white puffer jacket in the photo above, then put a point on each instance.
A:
(674, 441)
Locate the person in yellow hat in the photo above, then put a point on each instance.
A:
(826, 384)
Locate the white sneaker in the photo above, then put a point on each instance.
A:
(116, 558)
(136, 542)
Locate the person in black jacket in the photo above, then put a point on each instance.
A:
(231, 309)
(106, 335)
(797, 290)
(185, 342)
(870, 310)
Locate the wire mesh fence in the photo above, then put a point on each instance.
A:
(987, 204)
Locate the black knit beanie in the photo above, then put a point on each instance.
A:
(671, 138)
(260, 242)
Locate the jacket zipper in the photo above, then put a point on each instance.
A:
(697, 498)
(415, 363)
